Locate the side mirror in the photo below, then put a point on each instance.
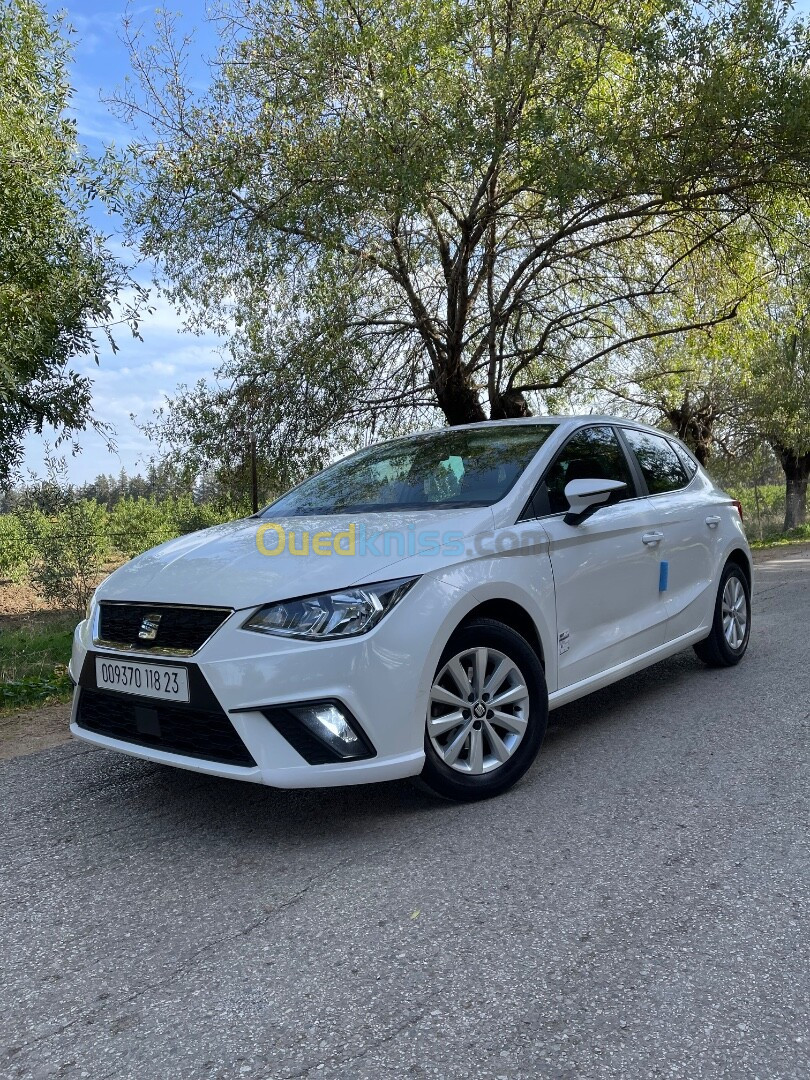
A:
(585, 497)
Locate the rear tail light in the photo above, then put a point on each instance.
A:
(738, 504)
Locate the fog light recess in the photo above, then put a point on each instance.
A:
(321, 731)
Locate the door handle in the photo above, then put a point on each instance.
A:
(713, 521)
(652, 537)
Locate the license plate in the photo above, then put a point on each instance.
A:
(145, 680)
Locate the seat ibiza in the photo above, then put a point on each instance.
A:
(417, 608)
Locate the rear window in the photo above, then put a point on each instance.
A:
(657, 460)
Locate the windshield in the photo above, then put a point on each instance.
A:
(453, 468)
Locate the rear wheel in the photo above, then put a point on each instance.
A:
(731, 626)
(487, 712)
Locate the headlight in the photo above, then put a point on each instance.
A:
(330, 615)
(91, 606)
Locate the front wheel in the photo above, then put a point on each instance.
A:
(487, 713)
(731, 626)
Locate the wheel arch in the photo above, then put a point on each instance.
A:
(511, 614)
(741, 559)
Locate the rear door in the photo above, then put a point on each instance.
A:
(606, 577)
(688, 528)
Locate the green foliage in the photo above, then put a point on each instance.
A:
(800, 534)
(69, 549)
(137, 524)
(64, 549)
(62, 542)
(33, 663)
(57, 279)
(436, 204)
(188, 516)
(14, 549)
(776, 390)
(690, 382)
(763, 509)
(767, 502)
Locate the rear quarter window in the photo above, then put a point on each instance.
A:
(686, 459)
(657, 460)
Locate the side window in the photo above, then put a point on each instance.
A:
(593, 453)
(657, 460)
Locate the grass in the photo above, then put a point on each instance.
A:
(33, 661)
(778, 539)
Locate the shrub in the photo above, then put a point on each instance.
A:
(15, 551)
(69, 548)
(189, 516)
(763, 507)
(768, 500)
(137, 524)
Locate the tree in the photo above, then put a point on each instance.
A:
(58, 283)
(691, 381)
(742, 382)
(474, 200)
(776, 393)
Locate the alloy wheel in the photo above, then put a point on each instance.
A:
(479, 710)
(735, 612)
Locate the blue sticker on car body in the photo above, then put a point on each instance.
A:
(663, 577)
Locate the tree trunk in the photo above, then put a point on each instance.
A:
(509, 405)
(458, 400)
(797, 471)
(695, 429)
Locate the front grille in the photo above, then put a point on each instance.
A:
(179, 630)
(193, 732)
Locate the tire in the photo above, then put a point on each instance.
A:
(726, 644)
(473, 751)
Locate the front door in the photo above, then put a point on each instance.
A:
(606, 570)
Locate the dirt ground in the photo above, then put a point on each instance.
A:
(34, 729)
(18, 603)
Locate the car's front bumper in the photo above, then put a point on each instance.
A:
(383, 678)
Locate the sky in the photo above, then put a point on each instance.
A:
(142, 373)
(137, 379)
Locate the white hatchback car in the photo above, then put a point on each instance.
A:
(417, 608)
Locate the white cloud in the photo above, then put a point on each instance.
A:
(94, 118)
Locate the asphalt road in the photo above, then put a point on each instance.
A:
(636, 907)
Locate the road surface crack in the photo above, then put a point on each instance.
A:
(340, 1063)
(185, 965)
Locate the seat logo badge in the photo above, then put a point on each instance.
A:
(149, 627)
(564, 641)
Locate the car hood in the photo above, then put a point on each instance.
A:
(223, 566)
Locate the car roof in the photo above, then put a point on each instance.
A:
(574, 420)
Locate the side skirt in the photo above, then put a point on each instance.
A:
(629, 667)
